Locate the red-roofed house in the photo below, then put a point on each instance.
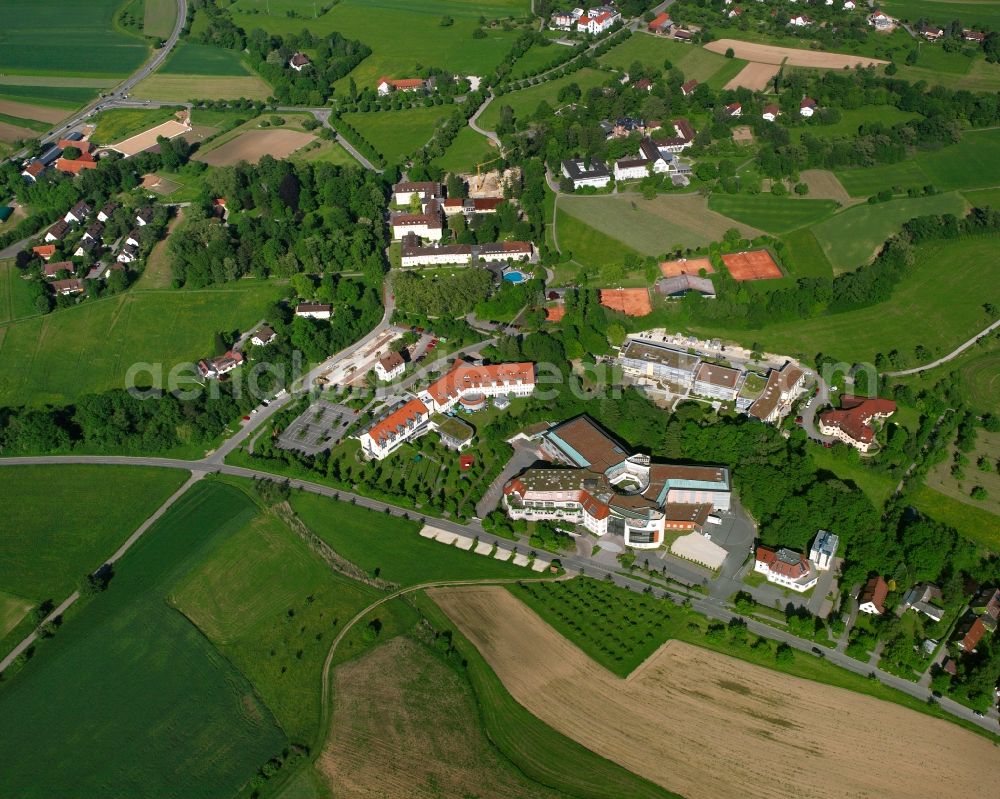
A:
(771, 112)
(662, 24)
(44, 251)
(851, 423)
(871, 600)
(689, 87)
(970, 634)
(216, 367)
(387, 85)
(471, 383)
(807, 107)
(299, 61)
(735, 109)
(785, 567)
(75, 167)
(388, 434)
(33, 171)
(71, 285)
(597, 20)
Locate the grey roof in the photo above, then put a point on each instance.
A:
(579, 169)
(681, 284)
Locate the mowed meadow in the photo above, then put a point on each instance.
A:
(196, 71)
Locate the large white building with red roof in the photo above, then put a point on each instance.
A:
(470, 386)
(388, 434)
(785, 567)
(851, 423)
(595, 482)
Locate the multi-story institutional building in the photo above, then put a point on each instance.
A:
(470, 386)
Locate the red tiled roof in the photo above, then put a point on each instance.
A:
(402, 83)
(75, 167)
(786, 566)
(35, 168)
(54, 268)
(875, 591)
(464, 377)
(772, 109)
(973, 635)
(854, 415)
(734, 107)
(660, 22)
(402, 417)
(689, 87)
(807, 102)
(45, 251)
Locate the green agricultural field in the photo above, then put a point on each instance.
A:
(110, 335)
(51, 37)
(44, 550)
(203, 59)
(854, 236)
(159, 18)
(468, 149)
(396, 134)
(378, 24)
(50, 96)
(983, 197)
(132, 685)
(272, 607)
(924, 309)
(117, 124)
(976, 524)
(392, 547)
(524, 102)
(803, 257)
(540, 752)
(12, 610)
(588, 246)
(652, 51)
(15, 298)
(941, 12)
(773, 214)
(538, 57)
(866, 181)
(977, 74)
(851, 119)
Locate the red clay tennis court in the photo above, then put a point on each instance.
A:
(752, 265)
(554, 313)
(631, 302)
(685, 266)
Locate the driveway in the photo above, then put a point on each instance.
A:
(524, 456)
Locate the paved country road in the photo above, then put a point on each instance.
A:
(950, 356)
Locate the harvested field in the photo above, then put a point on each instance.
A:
(254, 145)
(11, 133)
(823, 185)
(42, 113)
(686, 266)
(199, 133)
(405, 724)
(754, 76)
(772, 54)
(181, 88)
(702, 724)
(631, 302)
(752, 265)
(143, 141)
(554, 313)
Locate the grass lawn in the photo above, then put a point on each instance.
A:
(971, 12)
(976, 75)
(981, 381)
(651, 227)
(864, 182)
(328, 151)
(272, 607)
(110, 335)
(182, 88)
(12, 610)
(695, 62)
(52, 37)
(176, 718)
(524, 102)
(975, 523)
(117, 124)
(204, 59)
(391, 547)
(378, 24)
(159, 18)
(876, 486)
(537, 59)
(854, 236)
(588, 246)
(15, 298)
(773, 214)
(540, 752)
(396, 134)
(468, 149)
(924, 309)
(940, 479)
(44, 550)
(983, 197)
(851, 119)
(804, 257)
(726, 72)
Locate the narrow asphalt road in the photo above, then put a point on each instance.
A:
(950, 356)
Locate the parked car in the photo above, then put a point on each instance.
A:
(978, 714)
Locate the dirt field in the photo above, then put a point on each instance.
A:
(752, 265)
(11, 133)
(253, 145)
(631, 302)
(404, 724)
(772, 54)
(754, 76)
(143, 141)
(686, 266)
(42, 113)
(742, 134)
(823, 185)
(554, 313)
(708, 726)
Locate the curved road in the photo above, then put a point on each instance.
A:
(950, 356)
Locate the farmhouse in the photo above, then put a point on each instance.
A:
(662, 24)
(314, 310)
(871, 600)
(71, 285)
(263, 336)
(216, 367)
(930, 32)
(299, 61)
(771, 112)
(608, 490)
(405, 191)
(77, 166)
(390, 367)
(680, 285)
(973, 36)
(387, 85)
(429, 224)
(586, 172)
(824, 550)
(470, 386)
(388, 434)
(683, 35)
(783, 386)
(807, 107)
(851, 423)
(921, 599)
(785, 567)
(718, 382)
(58, 231)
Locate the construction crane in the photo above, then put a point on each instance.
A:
(479, 173)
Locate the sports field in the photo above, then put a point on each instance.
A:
(773, 214)
(379, 23)
(110, 335)
(392, 547)
(729, 710)
(44, 548)
(686, 266)
(132, 685)
(752, 265)
(924, 309)
(396, 134)
(631, 302)
(524, 102)
(695, 62)
(51, 37)
(407, 724)
(468, 149)
(854, 236)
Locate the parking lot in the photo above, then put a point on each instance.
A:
(322, 425)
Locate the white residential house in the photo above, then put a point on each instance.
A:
(871, 600)
(824, 550)
(786, 568)
(800, 21)
(143, 216)
(850, 5)
(263, 336)
(807, 107)
(390, 367)
(881, 21)
(406, 190)
(597, 20)
(390, 433)
(128, 254)
(132, 239)
(314, 310)
(771, 113)
(77, 214)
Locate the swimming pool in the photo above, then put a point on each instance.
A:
(514, 276)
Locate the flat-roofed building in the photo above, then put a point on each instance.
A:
(582, 172)
(649, 359)
(824, 550)
(718, 382)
